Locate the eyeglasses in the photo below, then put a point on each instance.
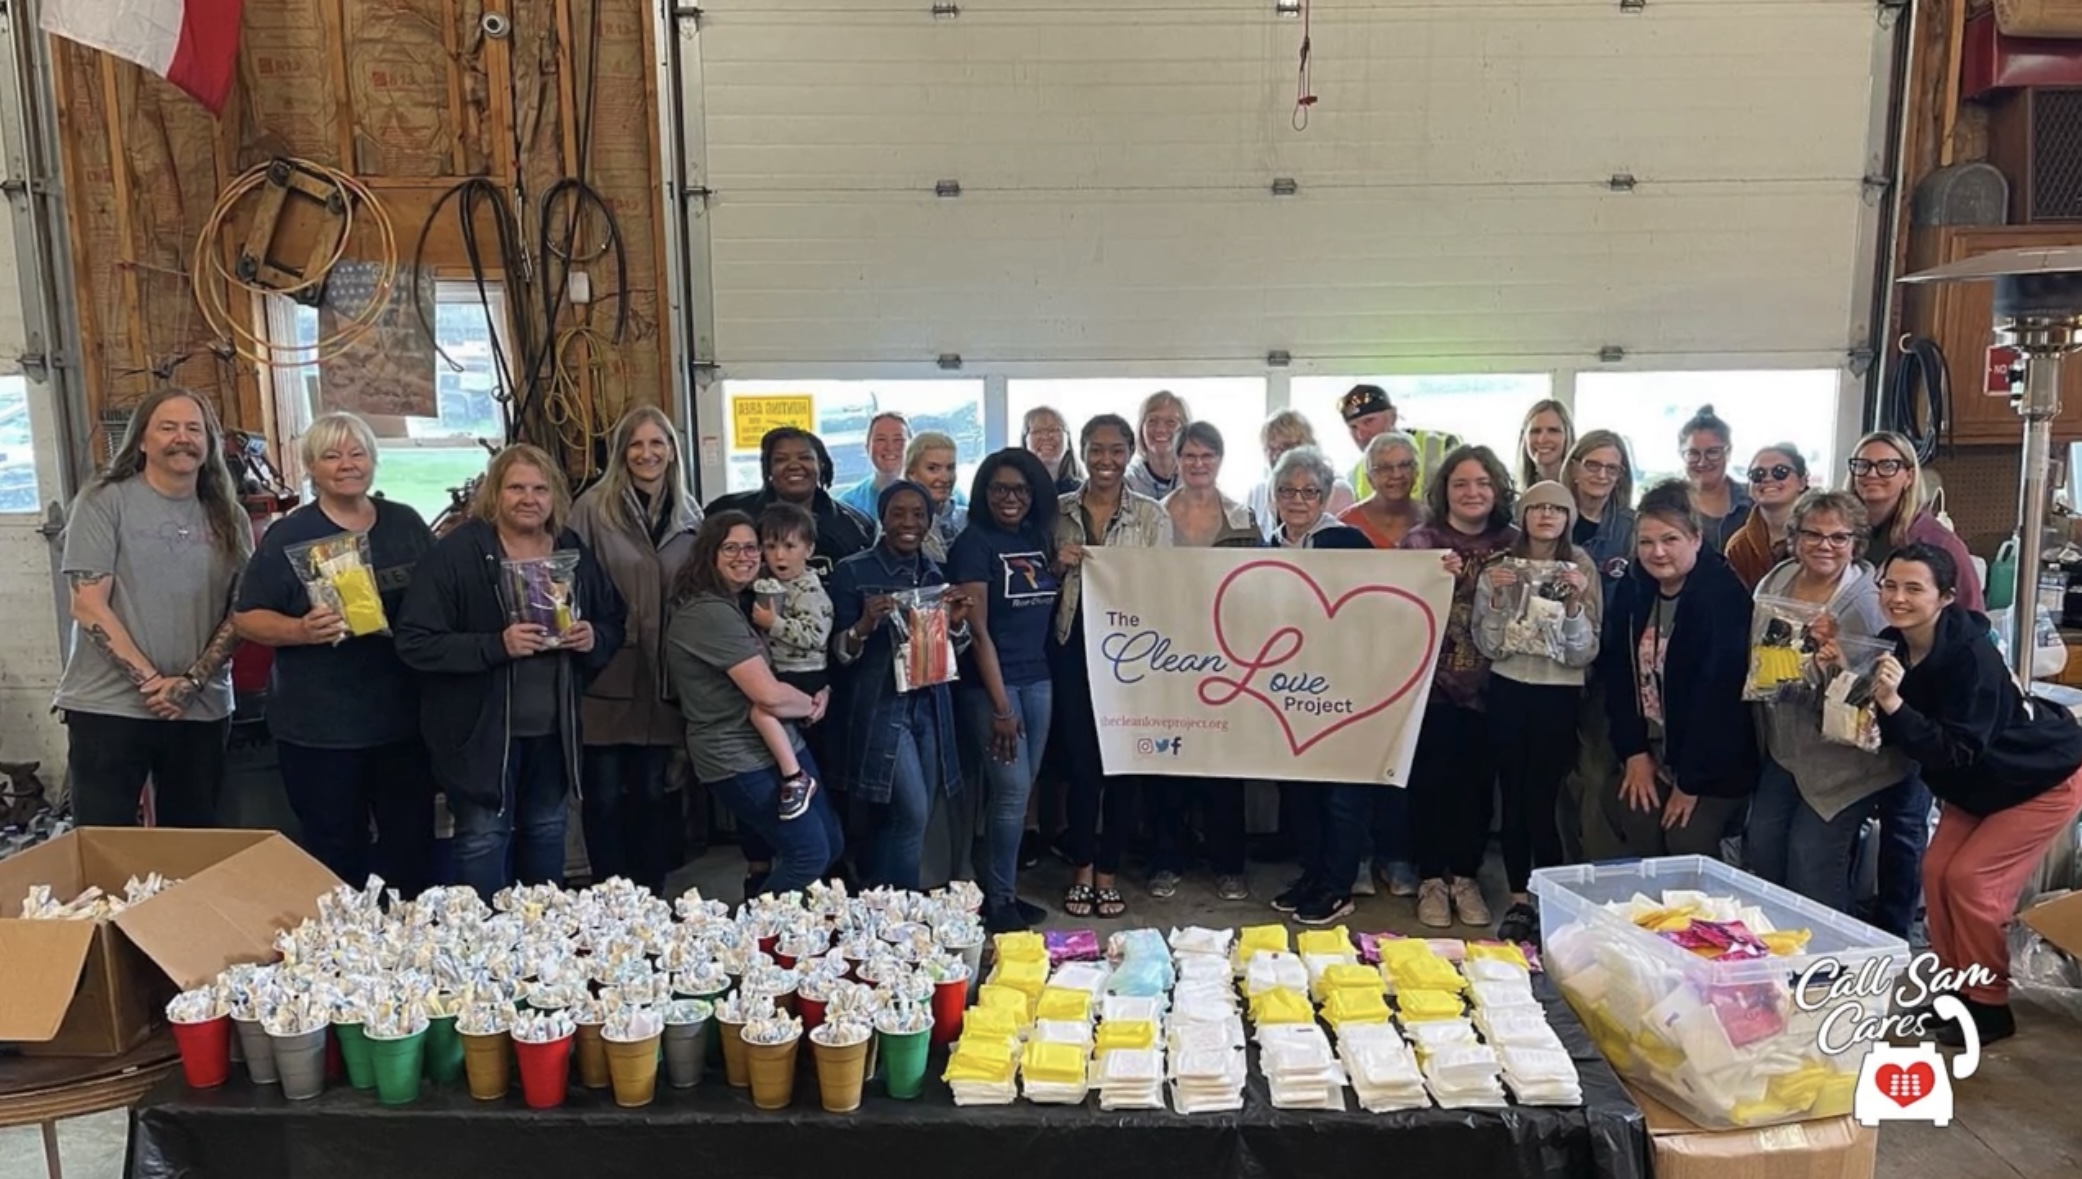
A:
(740, 550)
(1777, 473)
(1199, 458)
(1711, 454)
(1008, 491)
(1307, 495)
(1606, 470)
(1405, 467)
(1834, 540)
(1884, 468)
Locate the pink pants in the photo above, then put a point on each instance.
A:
(1973, 872)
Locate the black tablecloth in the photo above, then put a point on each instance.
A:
(240, 1132)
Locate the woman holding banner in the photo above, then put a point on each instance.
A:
(1328, 820)
(1104, 512)
(1453, 775)
(1202, 517)
(1536, 683)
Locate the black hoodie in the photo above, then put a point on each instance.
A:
(1708, 744)
(1962, 718)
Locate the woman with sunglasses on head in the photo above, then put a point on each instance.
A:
(1600, 475)
(1720, 503)
(1886, 477)
(2005, 766)
(1814, 795)
(1777, 480)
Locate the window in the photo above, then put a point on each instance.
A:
(1761, 408)
(1482, 409)
(839, 411)
(17, 456)
(1235, 405)
(422, 459)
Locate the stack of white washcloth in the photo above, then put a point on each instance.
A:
(1204, 1040)
(1460, 1070)
(1271, 969)
(1384, 1073)
(1300, 1068)
(1536, 1067)
(1131, 1078)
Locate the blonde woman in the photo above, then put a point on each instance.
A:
(1154, 470)
(499, 697)
(640, 521)
(1281, 433)
(1046, 435)
(344, 711)
(931, 462)
(1544, 440)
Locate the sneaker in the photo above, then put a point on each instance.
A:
(1363, 885)
(1030, 912)
(1468, 905)
(1402, 879)
(1433, 906)
(1994, 1021)
(1521, 923)
(1163, 884)
(1232, 888)
(1323, 908)
(1295, 895)
(796, 793)
(1003, 919)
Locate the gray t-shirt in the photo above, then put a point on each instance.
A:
(170, 588)
(707, 637)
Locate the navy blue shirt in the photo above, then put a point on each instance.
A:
(1023, 590)
(358, 694)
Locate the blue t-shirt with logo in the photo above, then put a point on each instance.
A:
(1014, 566)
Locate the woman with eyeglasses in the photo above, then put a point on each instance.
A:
(1886, 477)
(1043, 432)
(1721, 503)
(1814, 796)
(1153, 472)
(1201, 517)
(1004, 703)
(1777, 480)
(1388, 514)
(1544, 440)
(1470, 504)
(1600, 474)
(1672, 660)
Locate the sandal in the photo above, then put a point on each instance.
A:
(1111, 903)
(1078, 900)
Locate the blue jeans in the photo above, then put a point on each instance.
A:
(522, 839)
(802, 848)
(624, 810)
(1330, 830)
(1006, 783)
(899, 827)
(1904, 832)
(1788, 843)
(336, 792)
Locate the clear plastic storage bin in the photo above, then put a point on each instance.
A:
(1721, 1042)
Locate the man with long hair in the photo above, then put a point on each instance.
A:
(153, 552)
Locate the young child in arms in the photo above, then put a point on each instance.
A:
(790, 605)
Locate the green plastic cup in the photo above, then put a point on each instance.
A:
(399, 1064)
(444, 1052)
(354, 1053)
(903, 1063)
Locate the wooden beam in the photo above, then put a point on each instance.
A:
(1924, 122)
(1948, 103)
(662, 207)
(343, 94)
(451, 34)
(498, 72)
(126, 225)
(567, 112)
(250, 402)
(73, 140)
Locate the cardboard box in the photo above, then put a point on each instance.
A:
(2059, 921)
(80, 988)
(1832, 1148)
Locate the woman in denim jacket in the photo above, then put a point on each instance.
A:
(897, 751)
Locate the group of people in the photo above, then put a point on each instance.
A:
(756, 634)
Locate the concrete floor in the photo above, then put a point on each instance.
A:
(2012, 1117)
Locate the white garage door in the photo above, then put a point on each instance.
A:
(1452, 207)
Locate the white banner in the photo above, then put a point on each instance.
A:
(1310, 665)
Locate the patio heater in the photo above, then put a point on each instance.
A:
(2038, 315)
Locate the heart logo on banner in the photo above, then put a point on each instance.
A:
(1370, 611)
(1905, 1086)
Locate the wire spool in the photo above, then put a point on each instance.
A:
(237, 331)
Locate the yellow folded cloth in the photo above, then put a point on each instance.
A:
(1022, 975)
(1259, 938)
(1324, 941)
(1020, 947)
(986, 1059)
(1420, 1005)
(1052, 1063)
(992, 1023)
(1064, 1004)
(1499, 951)
(1281, 1005)
(1350, 976)
(1011, 1000)
(1354, 1006)
(1427, 972)
(1124, 1033)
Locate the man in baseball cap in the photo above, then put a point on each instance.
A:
(1368, 413)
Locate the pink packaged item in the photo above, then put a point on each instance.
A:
(1071, 945)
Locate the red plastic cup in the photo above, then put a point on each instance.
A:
(767, 944)
(784, 961)
(811, 1011)
(948, 1000)
(335, 1065)
(545, 1071)
(205, 1051)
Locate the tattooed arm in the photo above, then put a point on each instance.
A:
(99, 625)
